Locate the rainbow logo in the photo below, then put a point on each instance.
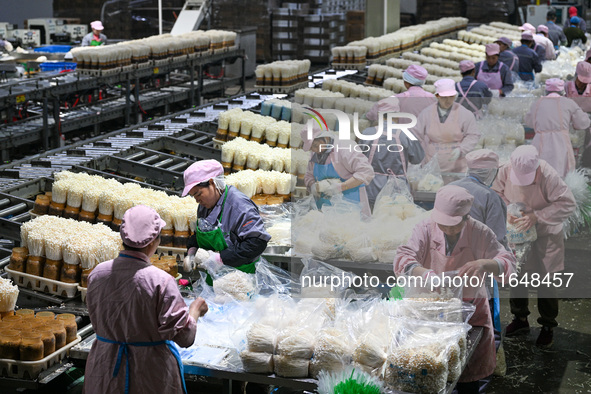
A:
(316, 118)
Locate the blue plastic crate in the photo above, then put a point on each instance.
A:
(57, 66)
(54, 49)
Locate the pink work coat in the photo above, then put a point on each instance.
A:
(552, 202)
(551, 118)
(426, 247)
(547, 44)
(348, 163)
(413, 101)
(458, 131)
(130, 300)
(584, 100)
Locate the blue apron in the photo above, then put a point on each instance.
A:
(124, 349)
(529, 74)
(327, 171)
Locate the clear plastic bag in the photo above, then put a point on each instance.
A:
(231, 284)
(515, 236)
(271, 279)
(426, 177)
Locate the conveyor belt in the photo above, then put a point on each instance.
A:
(154, 153)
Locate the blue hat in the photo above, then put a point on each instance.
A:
(575, 20)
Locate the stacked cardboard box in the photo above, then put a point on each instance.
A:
(355, 26)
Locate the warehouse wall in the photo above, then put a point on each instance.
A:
(16, 11)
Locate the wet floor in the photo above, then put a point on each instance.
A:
(566, 367)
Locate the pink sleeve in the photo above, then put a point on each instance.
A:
(415, 250)
(486, 242)
(471, 133)
(309, 179)
(562, 201)
(174, 321)
(579, 118)
(358, 165)
(499, 183)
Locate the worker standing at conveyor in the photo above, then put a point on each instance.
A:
(137, 312)
(447, 129)
(551, 118)
(450, 240)
(542, 39)
(414, 100)
(507, 56)
(472, 93)
(386, 163)
(96, 37)
(548, 203)
(495, 74)
(529, 61)
(579, 91)
(488, 208)
(229, 228)
(336, 168)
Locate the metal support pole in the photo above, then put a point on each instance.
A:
(199, 98)
(243, 76)
(127, 101)
(137, 100)
(45, 132)
(55, 138)
(192, 91)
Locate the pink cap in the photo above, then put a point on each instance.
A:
(505, 41)
(584, 72)
(97, 25)
(199, 172)
(482, 158)
(140, 226)
(527, 27)
(555, 84)
(316, 131)
(417, 72)
(524, 163)
(451, 204)
(390, 104)
(445, 87)
(492, 49)
(543, 29)
(526, 35)
(466, 65)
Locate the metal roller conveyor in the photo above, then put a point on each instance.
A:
(15, 209)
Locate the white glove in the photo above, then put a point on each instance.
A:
(201, 256)
(334, 189)
(455, 154)
(212, 263)
(323, 186)
(495, 92)
(189, 261)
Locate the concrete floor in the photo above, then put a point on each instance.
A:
(566, 367)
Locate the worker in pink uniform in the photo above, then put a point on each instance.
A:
(450, 240)
(337, 167)
(137, 312)
(495, 74)
(542, 39)
(549, 202)
(414, 100)
(447, 129)
(580, 89)
(551, 118)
